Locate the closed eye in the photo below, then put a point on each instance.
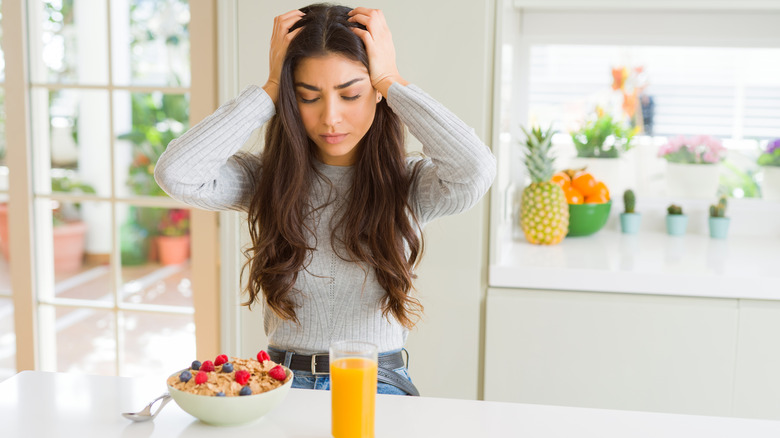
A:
(355, 97)
(309, 100)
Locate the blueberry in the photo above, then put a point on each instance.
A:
(185, 376)
(227, 367)
(220, 394)
(196, 365)
(245, 391)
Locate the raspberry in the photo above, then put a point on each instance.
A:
(245, 391)
(207, 366)
(201, 377)
(227, 368)
(262, 356)
(195, 365)
(242, 376)
(185, 376)
(277, 373)
(220, 359)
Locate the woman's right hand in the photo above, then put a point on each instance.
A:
(280, 40)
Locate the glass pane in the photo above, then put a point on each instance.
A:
(7, 339)
(68, 41)
(80, 249)
(2, 54)
(71, 128)
(85, 341)
(145, 123)
(156, 345)
(155, 256)
(151, 42)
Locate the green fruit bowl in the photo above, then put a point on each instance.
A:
(586, 219)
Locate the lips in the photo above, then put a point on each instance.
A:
(333, 138)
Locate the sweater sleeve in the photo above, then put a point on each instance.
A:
(458, 169)
(199, 168)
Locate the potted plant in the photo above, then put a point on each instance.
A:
(173, 242)
(719, 223)
(769, 160)
(630, 219)
(692, 165)
(600, 143)
(676, 221)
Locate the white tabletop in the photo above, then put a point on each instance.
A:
(39, 404)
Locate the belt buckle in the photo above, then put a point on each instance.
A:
(314, 364)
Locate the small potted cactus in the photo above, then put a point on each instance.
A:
(719, 223)
(676, 221)
(630, 219)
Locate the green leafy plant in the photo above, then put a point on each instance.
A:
(176, 222)
(719, 210)
(603, 137)
(770, 156)
(67, 212)
(674, 209)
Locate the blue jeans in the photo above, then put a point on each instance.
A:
(307, 380)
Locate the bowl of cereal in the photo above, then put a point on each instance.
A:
(230, 391)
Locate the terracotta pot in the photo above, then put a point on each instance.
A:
(69, 245)
(4, 230)
(173, 250)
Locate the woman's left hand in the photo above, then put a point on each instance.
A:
(379, 46)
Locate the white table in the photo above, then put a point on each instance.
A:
(39, 404)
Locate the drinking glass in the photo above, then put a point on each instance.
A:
(353, 372)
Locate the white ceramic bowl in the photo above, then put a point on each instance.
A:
(230, 411)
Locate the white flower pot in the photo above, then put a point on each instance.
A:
(692, 181)
(770, 188)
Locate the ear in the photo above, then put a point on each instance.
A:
(378, 96)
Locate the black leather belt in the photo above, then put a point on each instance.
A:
(320, 363)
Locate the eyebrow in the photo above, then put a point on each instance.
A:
(338, 87)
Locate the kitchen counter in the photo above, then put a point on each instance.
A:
(646, 263)
(39, 404)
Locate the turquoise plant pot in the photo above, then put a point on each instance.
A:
(629, 222)
(676, 224)
(719, 227)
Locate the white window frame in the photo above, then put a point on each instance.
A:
(25, 282)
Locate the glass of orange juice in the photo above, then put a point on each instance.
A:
(353, 371)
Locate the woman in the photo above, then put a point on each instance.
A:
(335, 208)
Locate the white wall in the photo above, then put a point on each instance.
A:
(446, 48)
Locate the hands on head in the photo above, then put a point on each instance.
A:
(383, 71)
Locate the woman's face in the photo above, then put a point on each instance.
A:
(337, 105)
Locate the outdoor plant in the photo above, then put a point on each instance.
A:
(771, 156)
(603, 137)
(674, 209)
(702, 149)
(68, 212)
(629, 201)
(175, 223)
(719, 210)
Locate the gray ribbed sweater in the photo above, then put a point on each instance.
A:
(336, 299)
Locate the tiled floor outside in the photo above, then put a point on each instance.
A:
(85, 340)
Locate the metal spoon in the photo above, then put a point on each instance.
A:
(146, 414)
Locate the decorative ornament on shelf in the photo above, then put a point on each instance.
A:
(630, 219)
(676, 221)
(719, 223)
(544, 213)
(769, 160)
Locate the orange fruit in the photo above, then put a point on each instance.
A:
(573, 196)
(596, 198)
(584, 182)
(562, 179)
(601, 189)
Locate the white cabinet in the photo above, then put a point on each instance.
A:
(615, 351)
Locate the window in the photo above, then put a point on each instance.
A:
(109, 85)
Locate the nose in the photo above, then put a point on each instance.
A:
(331, 115)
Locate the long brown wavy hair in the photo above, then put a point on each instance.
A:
(378, 228)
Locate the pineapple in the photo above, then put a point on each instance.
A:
(544, 212)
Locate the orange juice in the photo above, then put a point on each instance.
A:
(353, 392)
